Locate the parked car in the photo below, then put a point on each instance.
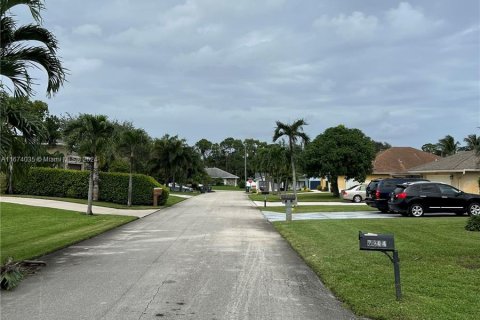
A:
(356, 193)
(179, 188)
(381, 194)
(417, 198)
(371, 188)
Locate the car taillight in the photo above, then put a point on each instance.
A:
(344, 192)
(377, 194)
(402, 195)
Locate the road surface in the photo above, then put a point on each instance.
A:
(213, 256)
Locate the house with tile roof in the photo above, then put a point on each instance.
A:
(461, 170)
(395, 161)
(228, 178)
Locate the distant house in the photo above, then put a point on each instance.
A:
(461, 170)
(395, 161)
(71, 160)
(228, 178)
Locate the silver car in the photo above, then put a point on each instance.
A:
(356, 193)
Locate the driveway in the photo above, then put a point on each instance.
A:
(211, 257)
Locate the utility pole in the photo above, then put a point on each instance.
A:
(245, 158)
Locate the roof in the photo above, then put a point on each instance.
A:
(219, 173)
(459, 162)
(400, 160)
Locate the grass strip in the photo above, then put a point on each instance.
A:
(305, 197)
(322, 208)
(439, 261)
(28, 232)
(172, 199)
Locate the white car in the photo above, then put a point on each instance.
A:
(356, 193)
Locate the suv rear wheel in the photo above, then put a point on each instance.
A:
(474, 209)
(416, 210)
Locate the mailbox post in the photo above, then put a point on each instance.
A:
(265, 193)
(288, 199)
(384, 243)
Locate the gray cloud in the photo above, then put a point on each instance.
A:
(404, 72)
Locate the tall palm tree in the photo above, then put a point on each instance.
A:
(18, 54)
(448, 146)
(293, 132)
(132, 144)
(89, 135)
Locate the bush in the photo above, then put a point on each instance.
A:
(473, 223)
(3, 183)
(241, 184)
(74, 184)
(319, 187)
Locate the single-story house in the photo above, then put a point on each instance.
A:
(461, 170)
(395, 161)
(228, 178)
(71, 160)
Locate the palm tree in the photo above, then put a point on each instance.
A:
(133, 143)
(21, 133)
(17, 54)
(448, 146)
(169, 155)
(89, 135)
(293, 132)
(472, 143)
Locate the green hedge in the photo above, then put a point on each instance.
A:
(74, 184)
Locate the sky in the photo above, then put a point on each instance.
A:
(407, 73)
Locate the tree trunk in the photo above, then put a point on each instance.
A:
(294, 181)
(130, 183)
(334, 186)
(90, 190)
(294, 175)
(95, 179)
(10, 176)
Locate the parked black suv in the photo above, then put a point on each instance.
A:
(380, 195)
(416, 198)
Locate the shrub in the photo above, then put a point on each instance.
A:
(11, 274)
(241, 184)
(3, 183)
(74, 184)
(473, 223)
(319, 187)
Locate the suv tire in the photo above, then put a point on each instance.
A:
(357, 199)
(474, 209)
(416, 210)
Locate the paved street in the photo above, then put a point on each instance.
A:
(213, 256)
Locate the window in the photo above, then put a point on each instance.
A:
(429, 188)
(448, 190)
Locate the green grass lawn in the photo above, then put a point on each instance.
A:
(439, 263)
(170, 202)
(323, 208)
(304, 196)
(228, 188)
(28, 232)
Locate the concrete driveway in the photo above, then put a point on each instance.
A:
(211, 257)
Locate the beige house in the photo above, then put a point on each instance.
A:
(71, 160)
(395, 161)
(461, 170)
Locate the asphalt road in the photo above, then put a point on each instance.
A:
(210, 257)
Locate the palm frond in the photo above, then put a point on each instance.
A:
(35, 6)
(33, 32)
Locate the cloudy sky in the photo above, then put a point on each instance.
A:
(402, 72)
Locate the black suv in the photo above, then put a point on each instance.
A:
(415, 199)
(380, 195)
